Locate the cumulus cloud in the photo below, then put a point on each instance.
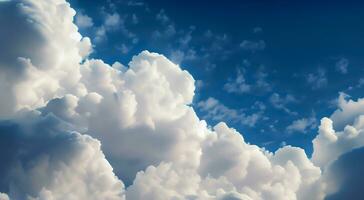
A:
(302, 125)
(83, 20)
(345, 176)
(74, 127)
(4, 196)
(332, 142)
(43, 159)
(347, 111)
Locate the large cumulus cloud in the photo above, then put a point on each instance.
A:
(42, 159)
(53, 97)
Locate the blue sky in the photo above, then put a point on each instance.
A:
(270, 70)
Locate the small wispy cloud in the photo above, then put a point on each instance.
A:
(342, 65)
(318, 79)
(253, 46)
(302, 125)
(237, 85)
(217, 111)
(281, 102)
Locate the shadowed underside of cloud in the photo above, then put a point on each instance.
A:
(70, 122)
(346, 175)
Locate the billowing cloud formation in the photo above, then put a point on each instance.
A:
(41, 159)
(53, 97)
(39, 65)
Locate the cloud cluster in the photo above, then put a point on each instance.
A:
(43, 159)
(78, 128)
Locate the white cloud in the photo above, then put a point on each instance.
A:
(342, 65)
(43, 159)
(112, 20)
(318, 79)
(347, 111)
(123, 48)
(238, 85)
(36, 64)
(253, 46)
(142, 116)
(280, 102)
(340, 133)
(4, 196)
(83, 21)
(179, 56)
(216, 111)
(302, 125)
(361, 82)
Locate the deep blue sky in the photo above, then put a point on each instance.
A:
(295, 57)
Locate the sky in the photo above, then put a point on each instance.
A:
(273, 68)
(132, 100)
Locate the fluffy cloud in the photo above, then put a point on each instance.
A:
(215, 110)
(83, 21)
(40, 65)
(54, 97)
(302, 125)
(4, 196)
(43, 159)
(345, 176)
(238, 85)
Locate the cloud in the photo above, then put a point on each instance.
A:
(34, 65)
(216, 111)
(73, 127)
(280, 102)
(134, 18)
(42, 159)
(257, 29)
(342, 65)
(179, 56)
(238, 85)
(302, 125)
(252, 45)
(4, 196)
(318, 79)
(347, 111)
(345, 175)
(83, 21)
(340, 133)
(112, 20)
(162, 17)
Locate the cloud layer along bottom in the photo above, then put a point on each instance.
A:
(73, 127)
